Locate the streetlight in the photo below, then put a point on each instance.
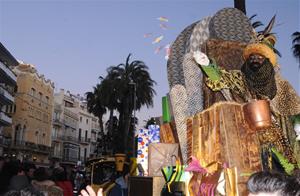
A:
(134, 108)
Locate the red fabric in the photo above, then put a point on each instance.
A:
(66, 187)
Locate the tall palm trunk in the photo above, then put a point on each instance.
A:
(111, 121)
(100, 118)
(241, 5)
(124, 124)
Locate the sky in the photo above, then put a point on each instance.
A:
(73, 42)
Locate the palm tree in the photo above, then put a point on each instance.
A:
(121, 77)
(296, 45)
(109, 95)
(95, 104)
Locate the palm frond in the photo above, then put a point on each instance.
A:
(296, 51)
(296, 37)
(257, 24)
(253, 16)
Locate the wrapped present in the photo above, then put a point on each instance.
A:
(161, 155)
(167, 134)
(145, 137)
(221, 134)
(166, 110)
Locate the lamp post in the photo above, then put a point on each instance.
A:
(134, 108)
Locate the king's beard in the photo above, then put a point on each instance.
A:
(260, 77)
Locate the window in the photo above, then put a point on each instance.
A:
(79, 137)
(32, 92)
(80, 118)
(47, 99)
(40, 96)
(37, 137)
(44, 139)
(87, 121)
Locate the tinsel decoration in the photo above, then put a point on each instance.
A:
(288, 167)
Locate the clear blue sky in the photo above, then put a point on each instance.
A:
(73, 42)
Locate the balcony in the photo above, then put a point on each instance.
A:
(70, 159)
(68, 138)
(43, 148)
(56, 138)
(5, 141)
(84, 140)
(57, 122)
(57, 154)
(94, 140)
(5, 120)
(6, 75)
(30, 146)
(5, 97)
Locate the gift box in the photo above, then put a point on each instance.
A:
(167, 134)
(166, 109)
(161, 155)
(221, 134)
(145, 137)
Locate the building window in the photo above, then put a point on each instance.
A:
(40, 96)
(79, 136)
(87, 121)
(47, 99)
(80, 119)
(32, 92)
(37, 136)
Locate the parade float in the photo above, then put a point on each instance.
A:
(229, 113)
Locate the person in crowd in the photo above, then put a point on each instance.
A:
(2, 162)
(293, 185)
(42, 182)
(90, 192)
(29, 169)
(59, 176)
(266, 183)
(8, 171)
(121, 184)
(19, 180)
(28, 191)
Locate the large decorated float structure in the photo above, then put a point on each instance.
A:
(229, 110)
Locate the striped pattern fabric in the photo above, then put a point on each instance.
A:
(232, 25)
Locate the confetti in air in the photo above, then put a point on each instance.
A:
(163, 26)
(158, 39)
(163, 19)
(148, 35)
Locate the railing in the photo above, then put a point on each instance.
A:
(55, 137)
(85, 140)
(31, 146)
(5, 119)
(93, 139)
(68, 138)
(57, 121)
(7, 95)
(70, 158)
(57, 107)
(56, 153)
(5, 141)
(69, 124)
(8, 72)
